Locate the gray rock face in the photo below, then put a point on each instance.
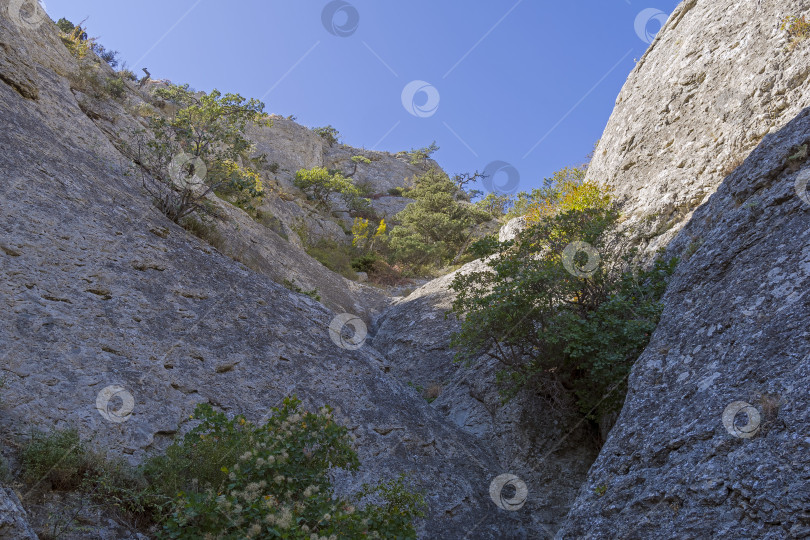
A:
(13, 518)
(713, 438)
(118, 322)
(511, 229)
(718, 77)
(546, 449)
(290, 147)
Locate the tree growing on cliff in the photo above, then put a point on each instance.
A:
(495, 205)
(328, 134)
(320, 183)
(199, 148)
(420, 156)
(561, 308)
(433, 229)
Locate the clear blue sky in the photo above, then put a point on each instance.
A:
(531, 82)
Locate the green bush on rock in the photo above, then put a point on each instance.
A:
(198, 149)
(229, 478)
(558, 331)
(319, 183)
(435, 228)
(238, 480)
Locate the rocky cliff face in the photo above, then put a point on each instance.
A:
(548, 450)
(290, 147)
(13, 518)
(718, 77)
(712, 440)
(101, 291)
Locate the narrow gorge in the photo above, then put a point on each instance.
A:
(103, 296)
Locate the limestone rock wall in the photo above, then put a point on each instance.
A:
(13, 518)
(712, 440)
(290, 147)
(548, 450)
(99, 290)
(718, 77)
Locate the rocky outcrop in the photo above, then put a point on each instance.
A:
(13, 518)
(118, 322)
(713, 438)
(290, 147)
(718, 77)
(512, 228)
(546, 448)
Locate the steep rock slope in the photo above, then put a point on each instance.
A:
(99, 289)
(712, 440)
(13, 518)
(261, 246)
(548, 450)
(289, 147)
(680, 462)
(719, 76)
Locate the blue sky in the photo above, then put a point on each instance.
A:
(531, 83)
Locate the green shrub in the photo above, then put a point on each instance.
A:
(226, 477)
(433, 229)
(420, 156)
(108, 56)
(484, 247)
(67, 27)
(552, 329)
(59, 458)
(320, 183)
(115, 87)
(396, 192)
(333, 255)
(365, 263)
(207, 130)
(237, 480)
(495, 205)
(527, 202)
(328, 133)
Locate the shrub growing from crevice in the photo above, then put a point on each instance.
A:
(320, 183)
(797, 28)
(557, 323)
(199, 149)
(328, 134)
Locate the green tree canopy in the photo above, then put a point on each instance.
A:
(320, 183)
(435, 227)
(561, 307)
(199, 147)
